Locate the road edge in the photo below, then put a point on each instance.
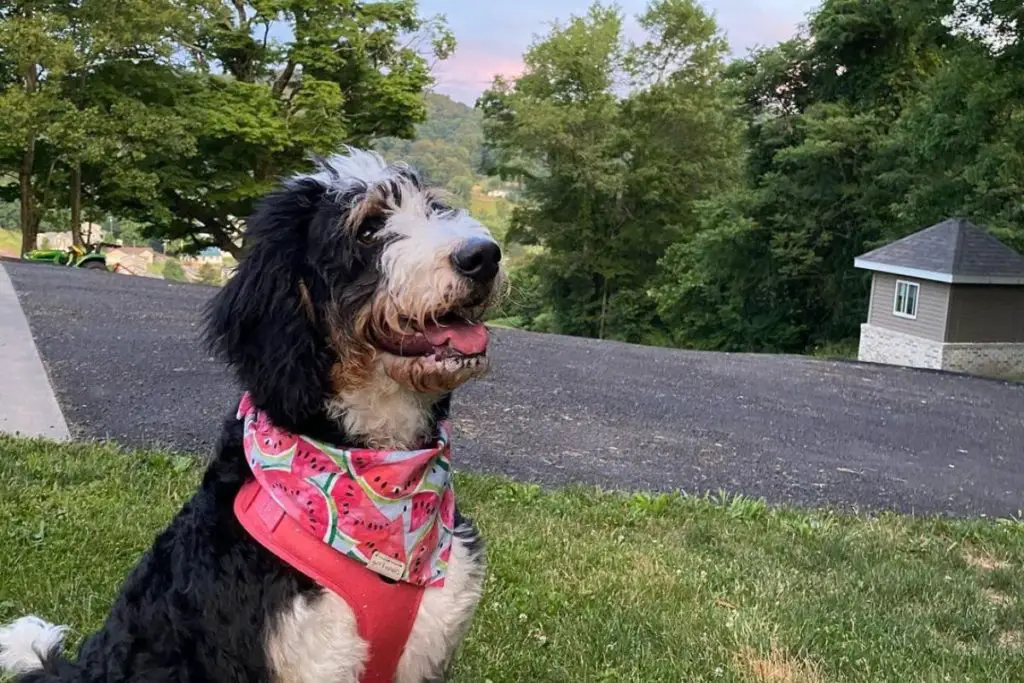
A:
(28, 404)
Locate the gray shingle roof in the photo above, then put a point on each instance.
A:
(954, 251)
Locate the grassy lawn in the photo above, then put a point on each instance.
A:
(589, 586)
(10, 241)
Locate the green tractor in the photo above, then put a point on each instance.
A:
(76, 257)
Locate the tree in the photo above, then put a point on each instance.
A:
(609, 182)
(55, 53)
(173, 270)
(257, 106)
(958, 150)
(771, 267)
(462, 188)
(209, 274)
(35, 53)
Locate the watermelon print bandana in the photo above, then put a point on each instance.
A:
(393, 511)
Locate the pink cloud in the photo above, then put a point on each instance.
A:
(471, 70)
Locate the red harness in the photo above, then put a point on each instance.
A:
(384, 611)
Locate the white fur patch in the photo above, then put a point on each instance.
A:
(443, 618)
(383, 412)
(339, 172)
(317, 640)
(26, 642)
(416, 266)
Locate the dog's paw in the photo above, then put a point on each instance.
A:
(27, 642)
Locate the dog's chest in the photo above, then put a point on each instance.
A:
(316, 640)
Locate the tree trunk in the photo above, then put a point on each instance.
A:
(604, 306)
(76, 205)
(29, 224)
(29, 219)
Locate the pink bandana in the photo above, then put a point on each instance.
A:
(393, 511)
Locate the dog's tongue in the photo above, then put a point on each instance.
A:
(465, 337)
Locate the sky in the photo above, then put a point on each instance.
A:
(493, 34)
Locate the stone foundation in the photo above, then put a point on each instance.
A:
(879, 345)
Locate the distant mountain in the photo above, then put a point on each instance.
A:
(448, 145)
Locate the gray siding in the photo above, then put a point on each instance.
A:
(932, 303)
(985, 314)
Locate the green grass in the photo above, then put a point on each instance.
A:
(843, 350)
(10, 240)
(591, 586)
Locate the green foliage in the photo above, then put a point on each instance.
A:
(187, 144)
(888, 116)
(173, 270)
(657, 194)
(447, 147)
(209, 274)
(9, 215)
(126, 232)
(57, 57)
(609, 181)
(525, 306)
(885, 122)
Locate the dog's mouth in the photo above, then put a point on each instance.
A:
(458, 335)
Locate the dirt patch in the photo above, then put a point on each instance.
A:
(1012, 640)
(979, 559)
(997, 598)
(775, 666)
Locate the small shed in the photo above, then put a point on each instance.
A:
(950, 297)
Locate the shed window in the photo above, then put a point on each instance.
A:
(905, 305)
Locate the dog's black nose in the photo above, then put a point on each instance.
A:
(477, 259)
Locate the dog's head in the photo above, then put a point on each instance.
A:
(357, 279)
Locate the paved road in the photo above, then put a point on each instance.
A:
(125, 360)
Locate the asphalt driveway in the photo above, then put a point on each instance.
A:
(124, 357)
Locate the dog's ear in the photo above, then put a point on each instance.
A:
(263, 322)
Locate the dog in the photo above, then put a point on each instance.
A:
(343, 324)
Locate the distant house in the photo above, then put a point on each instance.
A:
(950, 297)
(135, 260)
(211, 255)
(91, 232)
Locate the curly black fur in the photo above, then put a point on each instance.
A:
(259, 322)
(198, 605)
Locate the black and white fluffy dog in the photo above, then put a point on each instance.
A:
(323, 325)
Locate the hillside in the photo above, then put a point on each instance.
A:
(448, 145)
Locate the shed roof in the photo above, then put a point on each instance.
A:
(954, 251)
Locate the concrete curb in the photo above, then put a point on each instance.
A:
(28, 406)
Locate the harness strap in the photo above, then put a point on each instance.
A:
(384, 611)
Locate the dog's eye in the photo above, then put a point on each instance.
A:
(367, 235)
(369, 230)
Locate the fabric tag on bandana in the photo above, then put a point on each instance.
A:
(386, 566)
